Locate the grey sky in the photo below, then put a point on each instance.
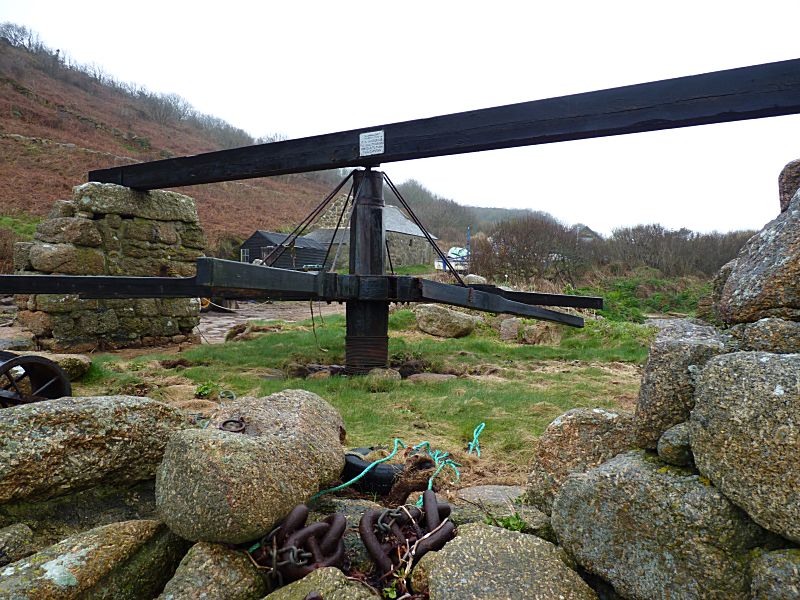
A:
(302, 68)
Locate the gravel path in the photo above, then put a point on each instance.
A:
(214, 325)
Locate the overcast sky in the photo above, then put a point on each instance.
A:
(303, 68)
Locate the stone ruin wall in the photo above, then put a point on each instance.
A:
(405, 249)
(106, 229)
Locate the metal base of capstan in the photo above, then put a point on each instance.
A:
(364, 353)
(367, 341)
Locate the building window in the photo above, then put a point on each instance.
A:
(244, 255)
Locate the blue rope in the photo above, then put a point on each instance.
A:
(397, 445)
(475, 445)
(440, 459)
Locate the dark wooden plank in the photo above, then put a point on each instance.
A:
(767, 90)
(470, 298)
(103, 286)
(542, 299)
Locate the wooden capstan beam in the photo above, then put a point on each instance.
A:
(767, 90)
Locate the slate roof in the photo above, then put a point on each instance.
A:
(393, 220)
(275, 239)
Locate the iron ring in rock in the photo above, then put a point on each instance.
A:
(233, 425)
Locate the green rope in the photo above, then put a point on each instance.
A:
(397, 445)
(475, 445)
(440, 459)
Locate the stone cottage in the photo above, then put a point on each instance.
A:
(406, 241)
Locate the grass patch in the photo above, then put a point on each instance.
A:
(414, 270)
(631, 297)
(23, 226)
(516, 389)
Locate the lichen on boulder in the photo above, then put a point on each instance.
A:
(765, 280)
(215, 572)
(130, 560)
(490, 562)
(221, 486)
(53, 447)
(578, 440)
(656, 531)
(444, 322)
(674, 446)
(666, 395)
(745, 435)
(329, 583)
(776, 576)
(769, 335)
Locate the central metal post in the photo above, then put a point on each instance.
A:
(367, 341)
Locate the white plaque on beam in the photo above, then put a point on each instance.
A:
(370, 143)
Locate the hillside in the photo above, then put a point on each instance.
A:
(60, 120)
(449, 220)
(57, 123)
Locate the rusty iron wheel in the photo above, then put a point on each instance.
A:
(25, 379)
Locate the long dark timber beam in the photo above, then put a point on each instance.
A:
(241, 280)
(767, 90)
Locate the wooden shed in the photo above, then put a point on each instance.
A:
(302, 254)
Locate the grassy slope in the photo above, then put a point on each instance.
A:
(645, 291)
(53, 131)
(517, 390)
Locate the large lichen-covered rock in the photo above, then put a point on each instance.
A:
(125, 561)
(666, 396)
(55, 519)
(769, 335)
(674, 446)
(490, 562)
(329, 584)
(220, 486)
(16, 542)
(444, 322)
(576, 441)
(655, 531)
(745, 432)
(158, 205)
(69, 230)
(66, 259)
(53, 447)
(765, 281)
(776, 576)
(788, 183)
(215, 572)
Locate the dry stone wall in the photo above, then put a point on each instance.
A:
(106, 229)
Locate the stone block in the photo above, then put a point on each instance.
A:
(765, 280)
(69, 230)
(97, 322)
(39, 323)
(745, 435)
(22, 256)
(55, 303)
(655, 531)
(788, 183)
(62, 208)
(67, 259)
(159, 205)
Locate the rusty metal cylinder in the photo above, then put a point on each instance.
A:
(367, 341)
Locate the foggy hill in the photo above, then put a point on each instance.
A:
(59, 120)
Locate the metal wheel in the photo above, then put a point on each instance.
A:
(26, 379)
